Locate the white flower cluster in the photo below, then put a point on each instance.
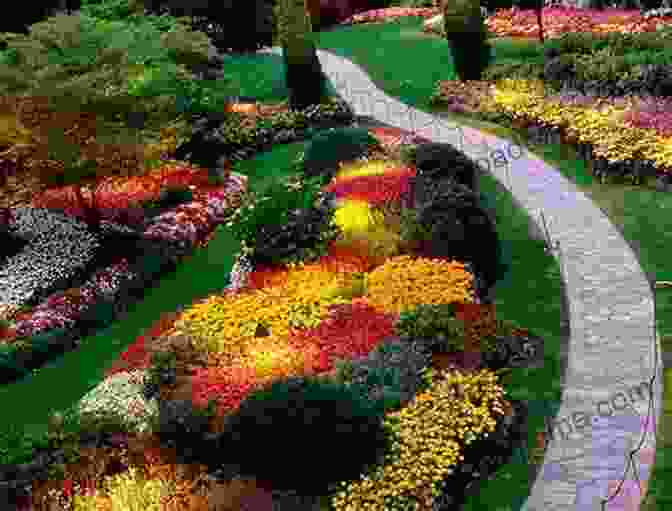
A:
(657, 13)
(56, 312)
(120, 397)
(58, 246)
(239, 273)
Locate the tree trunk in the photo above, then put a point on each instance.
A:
(313, 7)
(91, 214)
(303, 72)
(541, 26)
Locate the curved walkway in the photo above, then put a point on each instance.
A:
(606, 410)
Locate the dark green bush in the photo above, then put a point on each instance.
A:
(436, 322)
(183, 426)
(111, 10)
(84, 64)
(283, 222)
(573, 42)
(162, 371)
(470, 50)
(10, 368)
(304, 434)
(390, 375)
(436, 161)
(170, 197)
(326, 150)
(471, 55)
(187, 46)
(513, 70)
(459, 228)
(231, 26)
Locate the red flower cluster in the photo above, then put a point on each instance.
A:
(116, 192)
(338, 258)
(227, 385)
(377, 190)
(267, 276)
(351, 331)
(348, 259)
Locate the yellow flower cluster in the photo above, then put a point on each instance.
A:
(355, 217)
(602, 127)
(126, 491)
(404, 282)
(268, 358)
(364, 168)
(428, 437)
(365, 227)
(225, 324)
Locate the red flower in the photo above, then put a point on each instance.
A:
(67, 487)
(377, 189)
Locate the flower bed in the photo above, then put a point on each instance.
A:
(561, 20)
(628, 136)
(56, 316)
(352, 317)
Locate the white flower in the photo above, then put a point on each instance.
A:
(120, 396)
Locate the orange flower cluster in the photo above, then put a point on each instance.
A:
(404, 282)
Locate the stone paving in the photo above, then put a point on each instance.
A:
(613, 351)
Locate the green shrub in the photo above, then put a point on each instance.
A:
(410, 229)
(391, 374)
(572, 42)
(436, 322)
(415, 4)
(111, 10)
(186, 46)
(162, 371)
(232, 26)
(84, 64)
(513, 70)
(170, 197)
(407, 153)
(326, 150)
(304, 434)
(260, 216)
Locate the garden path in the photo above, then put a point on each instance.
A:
(607, 408)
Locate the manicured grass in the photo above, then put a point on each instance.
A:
(261, 76)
